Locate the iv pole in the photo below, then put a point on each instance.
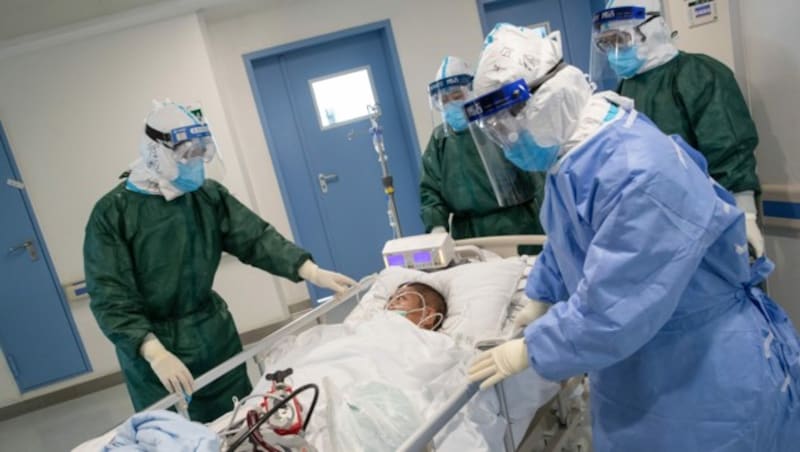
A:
(388, 184)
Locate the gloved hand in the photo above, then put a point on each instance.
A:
(499, 363)
(746, 201)
(532, 311)
(754, 237)
(172, 373)
(323, 278)
(438, 229)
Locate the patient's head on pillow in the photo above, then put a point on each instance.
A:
(420, 303)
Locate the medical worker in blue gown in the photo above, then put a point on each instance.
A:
(646, 268)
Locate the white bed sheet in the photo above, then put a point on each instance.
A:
(427, 367)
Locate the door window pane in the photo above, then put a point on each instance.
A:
(343, 98)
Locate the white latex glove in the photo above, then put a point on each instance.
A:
(754, 237)
(499, 363)
(323, 278)
(532, 311)
(438, 229)
(172, 373)
(746, 201)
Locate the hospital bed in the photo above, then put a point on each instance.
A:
(558, 423)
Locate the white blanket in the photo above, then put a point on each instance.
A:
(362, 369)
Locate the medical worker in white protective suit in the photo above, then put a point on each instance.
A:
(646, 268)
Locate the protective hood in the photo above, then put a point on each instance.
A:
(160, 170)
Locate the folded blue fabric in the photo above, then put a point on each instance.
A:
(162, 431)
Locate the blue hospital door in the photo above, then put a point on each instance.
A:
(329, 172)
(572, 17)
(37, 333)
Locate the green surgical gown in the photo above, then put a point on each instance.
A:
(454, 181)
(150, 265)
(696, 97)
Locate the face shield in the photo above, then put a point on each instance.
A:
(617, 38)
(447, 97)
(500, 124)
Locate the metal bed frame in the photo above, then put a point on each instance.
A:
(550, 430)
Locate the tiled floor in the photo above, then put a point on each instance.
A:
(62, 427)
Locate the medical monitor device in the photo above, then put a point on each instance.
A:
(420, 252)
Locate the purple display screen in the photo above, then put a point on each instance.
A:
(423, 257)
(396, 260)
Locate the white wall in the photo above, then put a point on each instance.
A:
(712, 39)
(768, 37)
(73, 114)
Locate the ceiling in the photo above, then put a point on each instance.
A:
(24, 17)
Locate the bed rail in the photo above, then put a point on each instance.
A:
(503, 245)
(424, 435)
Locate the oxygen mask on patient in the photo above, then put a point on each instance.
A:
(412, 305)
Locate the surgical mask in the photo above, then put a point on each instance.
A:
(455, 117)
(191, 176)
(526, 154)
(625, 62)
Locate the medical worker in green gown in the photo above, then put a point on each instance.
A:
(152, 247)
(454, 181)
(691, 95)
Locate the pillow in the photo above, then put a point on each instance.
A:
(477, 295)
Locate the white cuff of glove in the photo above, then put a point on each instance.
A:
(532, 311)
(746, 201)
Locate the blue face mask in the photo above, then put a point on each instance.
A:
(190, 176)
(455, 117)
(625, 62)
(526, 154)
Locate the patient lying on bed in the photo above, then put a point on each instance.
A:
(420, 303)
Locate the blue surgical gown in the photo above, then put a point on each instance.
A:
(647, 266)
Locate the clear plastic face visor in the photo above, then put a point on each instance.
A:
(616, 33)
(497, 123)
(187, 143)
(450, 89)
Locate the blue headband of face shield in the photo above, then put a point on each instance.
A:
(617, 15)
(511, 96)
(449, 83)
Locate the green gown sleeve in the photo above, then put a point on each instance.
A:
(721, 123)
(256, 242)
(435, 211)
(115, 300)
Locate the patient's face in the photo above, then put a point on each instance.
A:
(411, 304)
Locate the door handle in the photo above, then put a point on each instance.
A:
(324, 179)
(27, 245)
